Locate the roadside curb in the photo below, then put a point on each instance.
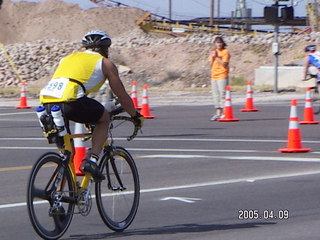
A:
(189, 98)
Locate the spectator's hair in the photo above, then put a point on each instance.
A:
(220, 39)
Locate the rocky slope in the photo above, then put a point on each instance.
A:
(37, 35)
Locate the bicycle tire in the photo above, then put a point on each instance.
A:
(118, 197)
(315, 96)
(48, 220)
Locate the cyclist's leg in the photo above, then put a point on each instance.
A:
(100, 133)
(88, 110)
(316, 96)
(318, 83)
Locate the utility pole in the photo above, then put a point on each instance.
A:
(276, 50)
(170, 9)
(316, 8)
(211, 12)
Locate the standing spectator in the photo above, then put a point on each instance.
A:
(219, 61)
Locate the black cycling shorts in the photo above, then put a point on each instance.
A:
(83, 110)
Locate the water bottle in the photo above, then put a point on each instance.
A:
(41, 111)
(58, 120)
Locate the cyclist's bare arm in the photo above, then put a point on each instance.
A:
(111, 72)
(306, 69)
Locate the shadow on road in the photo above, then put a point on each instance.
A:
(174, 229)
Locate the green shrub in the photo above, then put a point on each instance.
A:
(238, 81)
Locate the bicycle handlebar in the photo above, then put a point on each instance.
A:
(136, 127)
(116, 111)
(114, 116)
(310, 76)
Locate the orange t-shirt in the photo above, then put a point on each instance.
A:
(218, 71)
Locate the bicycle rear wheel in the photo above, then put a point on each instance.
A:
(118, 195)
(50, 197)
(315, 96)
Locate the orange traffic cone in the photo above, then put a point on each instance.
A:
(134, 95)
(249, 107)
(308, 110)
(145, 111)
(23, 96)
(228, 110)
(80, 149)
(294, 137)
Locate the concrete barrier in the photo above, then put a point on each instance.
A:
(288, 76)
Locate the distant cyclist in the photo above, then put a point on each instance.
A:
(312, 59)
(79, 74)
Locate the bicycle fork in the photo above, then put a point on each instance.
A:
(116, 173)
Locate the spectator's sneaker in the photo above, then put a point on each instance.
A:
(91, 167)
(214, 118)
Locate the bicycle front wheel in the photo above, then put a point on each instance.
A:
(50, 197)
(118, 195)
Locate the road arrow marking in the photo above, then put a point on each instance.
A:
(181, 199)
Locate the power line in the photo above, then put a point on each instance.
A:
(200, 3)
(258, 2)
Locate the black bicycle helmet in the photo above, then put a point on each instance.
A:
(96, 40)
(310, 48)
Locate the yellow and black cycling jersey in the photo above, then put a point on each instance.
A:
(77, 75)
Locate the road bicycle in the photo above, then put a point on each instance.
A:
(55, 193)
(315, 95)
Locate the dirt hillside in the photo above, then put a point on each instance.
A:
(30, 21)
(173, 63)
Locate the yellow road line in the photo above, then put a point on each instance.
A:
(8, 169)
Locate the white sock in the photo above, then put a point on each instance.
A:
(94, 158)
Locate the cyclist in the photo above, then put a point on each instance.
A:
(312, 59)
(79, 74)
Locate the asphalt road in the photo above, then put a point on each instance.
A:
(199, 179)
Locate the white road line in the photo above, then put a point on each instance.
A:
(194, 150)
(289, 159)
(156, 150)
(197, 185)
(252, 158)
(181, 140)
(27, 148)
(19, 113)
(181, 199)
(245, 158)
(23, 139)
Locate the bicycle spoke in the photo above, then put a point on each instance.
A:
(118, 196)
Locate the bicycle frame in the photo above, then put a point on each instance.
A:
(69, 147)
(61, 189)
